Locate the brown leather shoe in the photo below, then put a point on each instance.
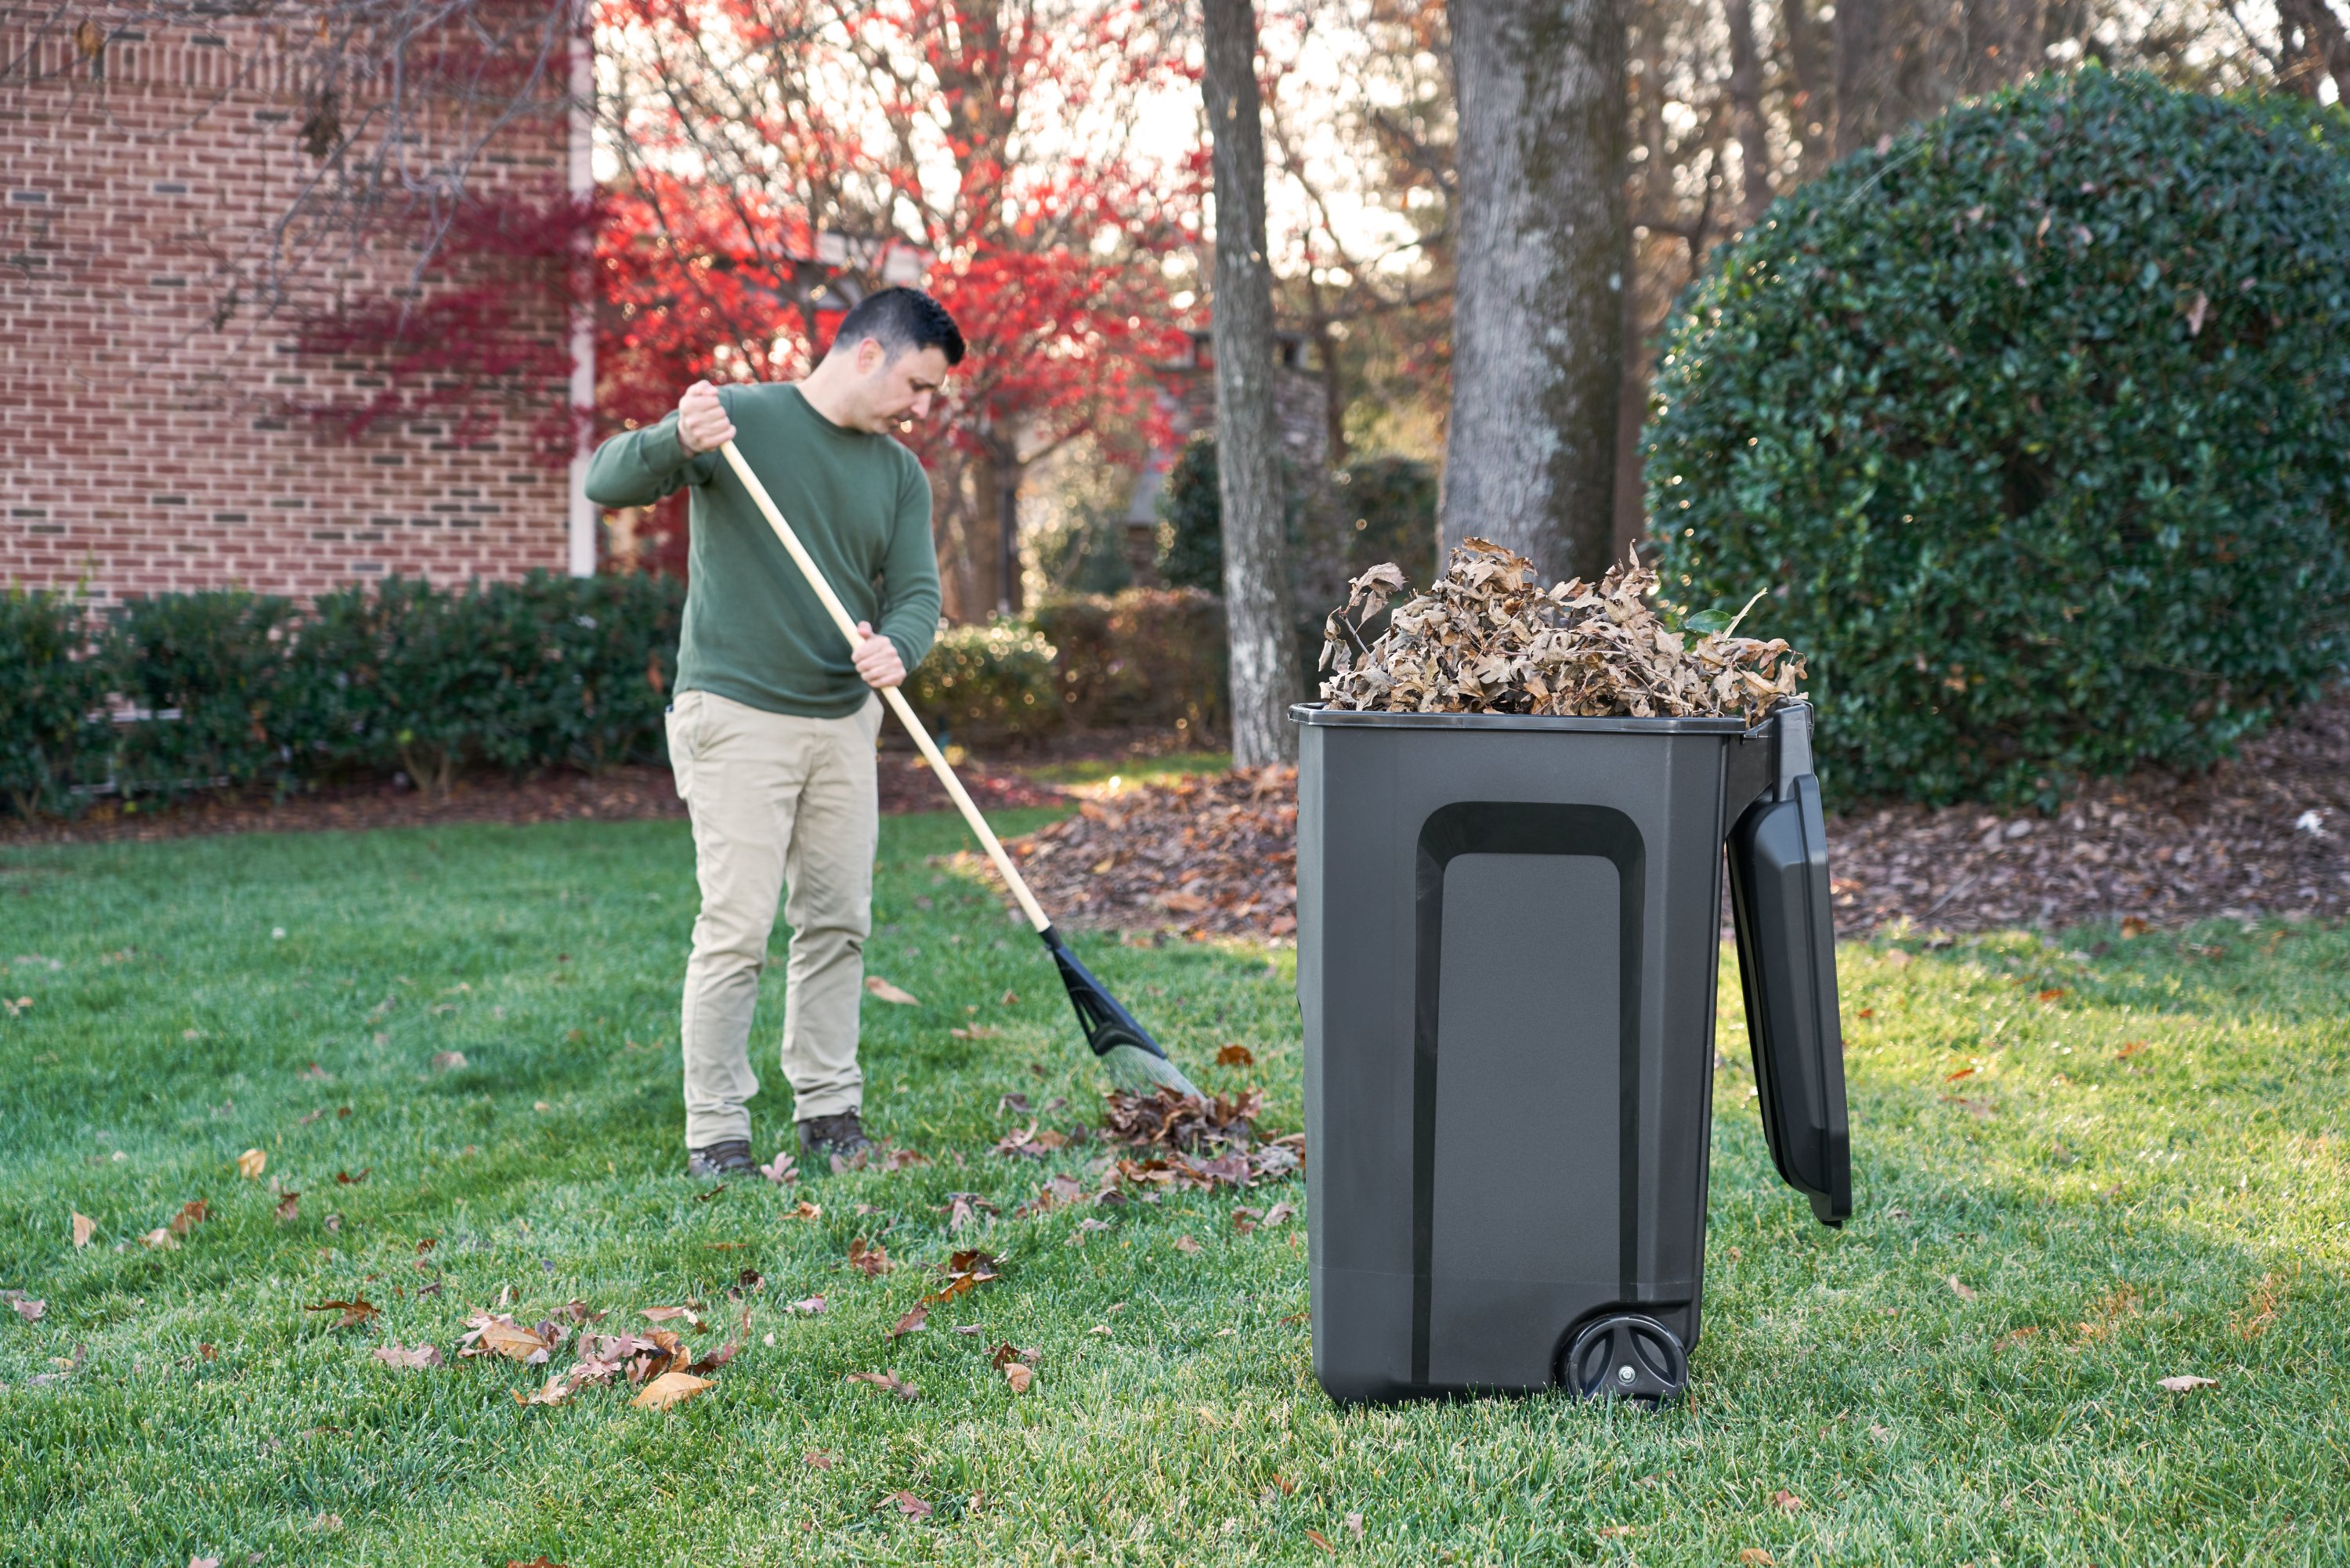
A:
(731, 1156)
(842, 1136)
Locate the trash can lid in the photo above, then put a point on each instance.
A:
(1316, 713)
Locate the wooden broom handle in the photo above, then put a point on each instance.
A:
(890, 694)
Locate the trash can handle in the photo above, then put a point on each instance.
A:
(1779, 902)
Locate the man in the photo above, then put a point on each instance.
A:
(772, 731)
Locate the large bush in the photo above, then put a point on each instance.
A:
(2036, 426)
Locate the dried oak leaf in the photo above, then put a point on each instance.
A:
(914, 1322)
(84, 1228)
(884, 990)
(251, 1163)
(909, 1505)
(670, 1389)
(870, 1258)
(355, 1312)
(1019, 1375)
(2186, 1383)
(1235, 1055)
(407, 1357)
(889, 1382)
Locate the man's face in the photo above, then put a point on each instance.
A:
(891, 390)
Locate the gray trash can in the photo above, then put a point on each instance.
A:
(1507, 938)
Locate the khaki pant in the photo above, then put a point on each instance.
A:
(778, 802)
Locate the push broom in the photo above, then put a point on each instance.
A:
(1133, 1059)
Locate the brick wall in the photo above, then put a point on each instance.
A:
(144, 448)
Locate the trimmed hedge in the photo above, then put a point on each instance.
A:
(2037, 426)
(226, 688)
(1152, 657)
(49, 689)
(984, 685)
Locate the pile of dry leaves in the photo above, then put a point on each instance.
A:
(1213, 855)
(1488, 639)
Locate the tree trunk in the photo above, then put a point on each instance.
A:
(1264, 679)
(1746, 109)
(1861, 72)
(1538, 309)
(1901, 61)
(1810, 59)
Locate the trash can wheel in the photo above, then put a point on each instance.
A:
(1626, 1357)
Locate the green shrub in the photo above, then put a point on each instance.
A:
(549, 671)
(50, 687)
(1150, 657)
(204, 676)
(2037, 427)
(1191, 520)
(984, 685)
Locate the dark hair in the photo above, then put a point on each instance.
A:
(900, 320)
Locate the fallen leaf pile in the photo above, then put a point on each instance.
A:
(1486, 638)
(1213, 855)
(1181, 1121)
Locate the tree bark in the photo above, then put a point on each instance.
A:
(1901, 61)
(1538, 310)
(1746, 109)
(1810, 58)
(1257, 613)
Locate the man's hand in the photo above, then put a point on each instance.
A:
(702, 422)
(877, 660)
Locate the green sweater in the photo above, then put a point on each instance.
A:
(755, 631)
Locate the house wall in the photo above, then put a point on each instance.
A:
(150, 447)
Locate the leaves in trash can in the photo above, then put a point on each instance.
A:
(1486, 638)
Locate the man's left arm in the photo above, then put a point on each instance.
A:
(910, 573)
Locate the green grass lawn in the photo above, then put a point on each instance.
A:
(1967, 1373)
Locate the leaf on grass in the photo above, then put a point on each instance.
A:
(2052, 994)
(819, 1458)
(1882, 1434)
(190, 1215)
(975, 1032)
(807, 1306)
(1960, 1291)
(355, 1312)
(2134, 927)
(159, 1237)
(1355, 1525)
(670, 1389)
(889, 1382)
(345, 1178)
(1322, 1541)
(1614, 1531)
(289, 1207)
(868, 1258)
(804, 1209)
(1277, 1213)
(84, 1228)
(1962, 1072)
(783, 1171)
(1009, 998)
(1185, 1244)
(501, 1335)
(2186, 1383)
(1235, 1055)
(1755, 1554)
(1785, 1501)
(1019, 1375)
(407, 1357)
(669, 1314)
(888, 992)
(448, 1061)
(2129, 1050)
(251, 1163)
(701, 1365)
(557, 1389)
(914, 1322)
(28, 1309)
(1005, 1355)
(909, 1505)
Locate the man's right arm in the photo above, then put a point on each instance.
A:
(637, 468)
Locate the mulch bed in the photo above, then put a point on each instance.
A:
(1215, 857)
(617, 794)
